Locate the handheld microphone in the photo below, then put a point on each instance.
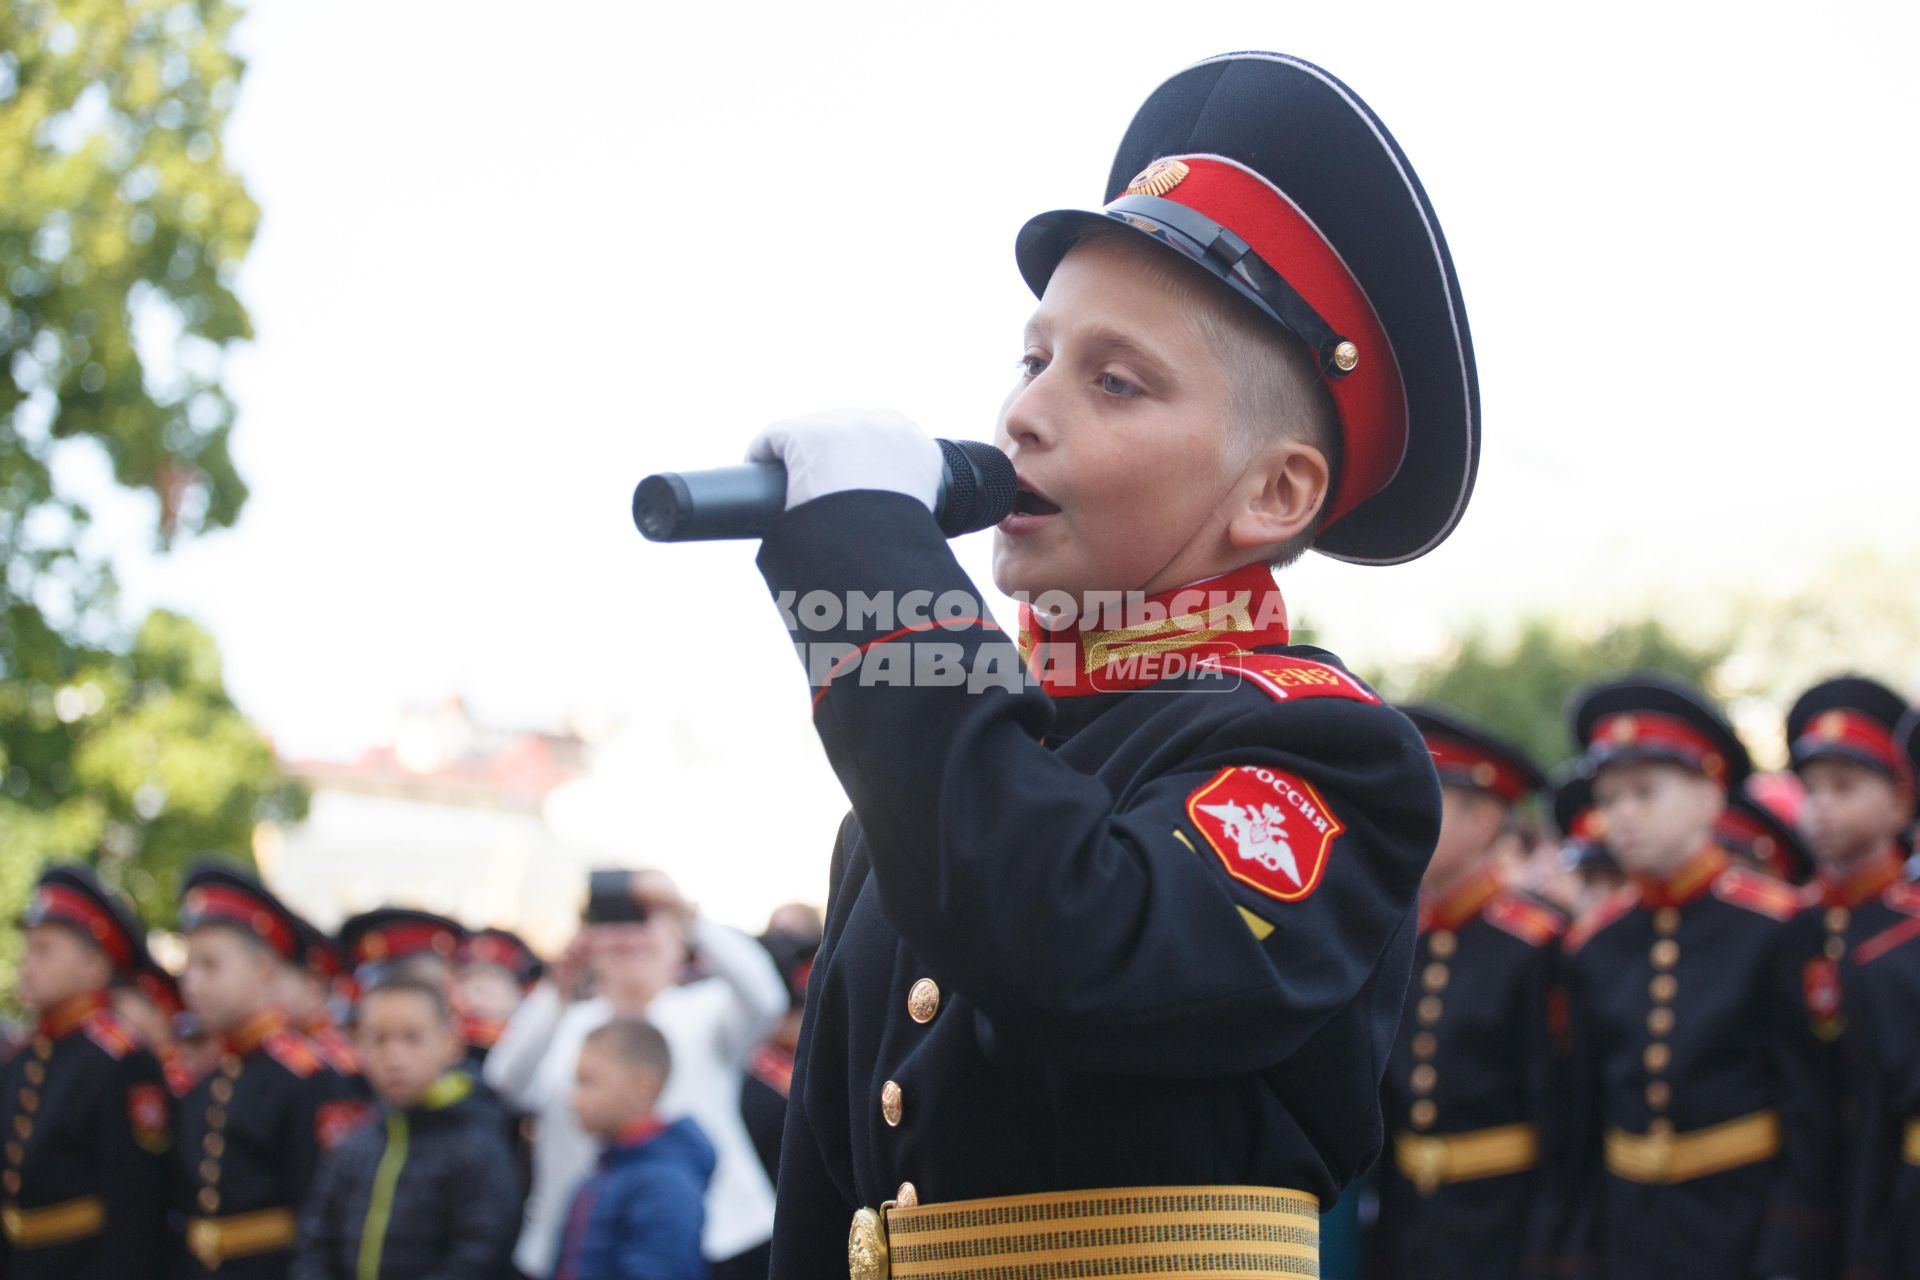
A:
(976, 492)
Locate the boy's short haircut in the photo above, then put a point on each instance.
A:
(407, 984)
(635, 1042)
(1274, 387)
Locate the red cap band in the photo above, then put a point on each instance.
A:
(491, 949)
(1649, 730)
(1853, 732)
(398, 941)
(1463, 764)
(55, 903)
(218, 904)
(1371, 400)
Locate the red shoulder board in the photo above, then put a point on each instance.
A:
(105, 1029)
(291, 1050)
(1755, 892)
(1904, 898)
(336, 1051)
(1530, 922)
(1886, 940)
(1289, 679)
(1611, 908)
(1809, 895)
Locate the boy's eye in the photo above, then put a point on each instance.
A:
(1114, 385)
(1032, 366)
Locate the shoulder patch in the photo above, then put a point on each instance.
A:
(1611, 908)
(1755, 892)
(291, 1050)
(105, 1029)
(1532, 923)
(1888, 939)
(1288, 679)
(1269, 828)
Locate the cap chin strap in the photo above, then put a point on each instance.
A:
(1232, 255)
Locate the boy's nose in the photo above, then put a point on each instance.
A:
(1027, 421)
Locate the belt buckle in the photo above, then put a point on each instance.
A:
(10, 1221)
(867, 1246)
(1429, 1159)
(203, 1242)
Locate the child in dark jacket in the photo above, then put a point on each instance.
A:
(426, 1191)
(640, 1215)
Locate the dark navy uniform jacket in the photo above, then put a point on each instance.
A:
(251, 1132)
(87, 1115)
(1149, 937)
(1687, 1013)
(1883, 1040)
(1476, 1051)
(1835, 916)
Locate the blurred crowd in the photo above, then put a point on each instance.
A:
(404, 1098)
(1671, 1014)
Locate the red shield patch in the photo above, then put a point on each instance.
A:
(335, 1120)
(150, 1116)
(1820, 985)
(1270, 829)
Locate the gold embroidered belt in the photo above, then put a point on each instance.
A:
(1658, 1159)
(239, 1235)
(1910, 1142)
(1224, 1233)
(1432, 1160)
(53, 1224)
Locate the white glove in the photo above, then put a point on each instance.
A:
(851, 449)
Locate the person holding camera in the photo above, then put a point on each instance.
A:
(637, 937)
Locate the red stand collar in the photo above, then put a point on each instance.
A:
(67, 1016)
(1140, 640)
(1688, 883)
(1870, 879)
(253, 1032)
(1461, 903)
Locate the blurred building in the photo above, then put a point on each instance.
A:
(448, 817)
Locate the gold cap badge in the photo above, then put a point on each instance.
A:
(1158, 178)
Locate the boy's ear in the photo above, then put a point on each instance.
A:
(1279, 495)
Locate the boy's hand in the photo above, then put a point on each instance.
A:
(845, 449)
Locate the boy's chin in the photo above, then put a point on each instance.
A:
(1026, 574)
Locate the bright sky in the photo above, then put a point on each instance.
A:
(514, 257)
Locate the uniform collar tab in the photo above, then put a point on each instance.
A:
(1688, 882)
(1870, 879)
(1462, 902)
(67, 1016)
(1125, 641)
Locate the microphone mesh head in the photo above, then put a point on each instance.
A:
(981, 489)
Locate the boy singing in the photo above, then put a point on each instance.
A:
(1141, 918)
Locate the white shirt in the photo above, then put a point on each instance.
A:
(711, 1027)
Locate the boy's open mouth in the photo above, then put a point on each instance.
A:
(1030, 502)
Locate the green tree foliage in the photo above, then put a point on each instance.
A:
(1519, 686)
(121, 230)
